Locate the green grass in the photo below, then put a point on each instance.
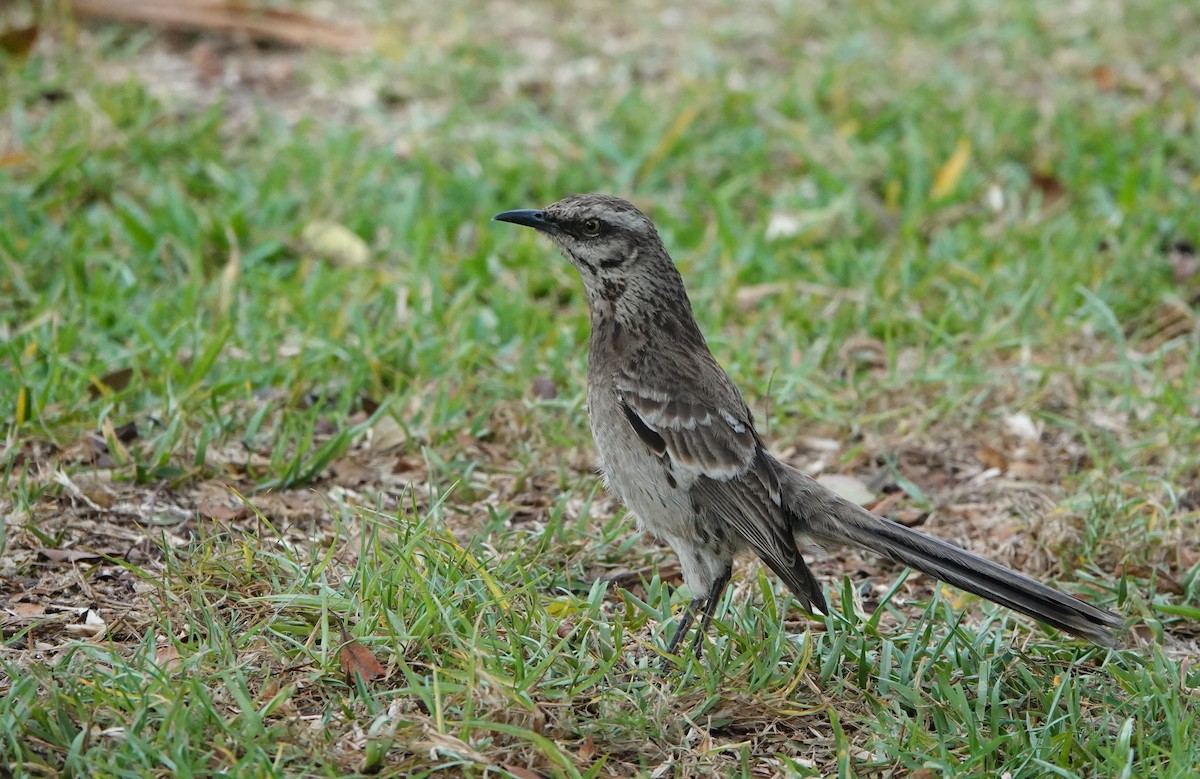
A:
(396, 475)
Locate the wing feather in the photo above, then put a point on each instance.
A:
(720, 445)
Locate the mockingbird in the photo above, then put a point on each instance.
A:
(677, 442)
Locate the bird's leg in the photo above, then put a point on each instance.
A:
(706, 606)
(710, 607)
(685, 622)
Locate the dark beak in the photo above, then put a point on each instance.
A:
(528, 217)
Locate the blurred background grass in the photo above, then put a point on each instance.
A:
(914, 232)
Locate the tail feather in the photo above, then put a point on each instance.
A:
(824, 516)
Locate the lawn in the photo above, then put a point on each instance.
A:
(296, 479)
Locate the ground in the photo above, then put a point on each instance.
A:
(296, 472)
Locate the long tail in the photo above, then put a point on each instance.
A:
(826, 517)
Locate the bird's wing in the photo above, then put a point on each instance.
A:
(711, 436)
(710, 439)
(684, 407)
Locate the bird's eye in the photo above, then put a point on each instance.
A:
(591, 227)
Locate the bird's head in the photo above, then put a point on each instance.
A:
(615, 248)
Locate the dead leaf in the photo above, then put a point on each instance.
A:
(88, 449)
(93, 448)
(13, 159)
(68, 555)
(287, 27)
(91, 627)
(849, 487)
(167, 657)
(114, 381)
(1104, 78)
(1184, 675)
(1023, 470)
(17, 42)
(114, 439)
(27, 610)
(994, 197)
(1165, 581)
(990, 458)
(587, 750)
(1183, 268)
(748, 297)
(207, 62)
(1049, 185)
(1182, 256)
(223, 512)
(861, 350)
(97, 490)
(1022, 426)
(520, 772)
(945, 181)
(350, 472)
(782, 225)
(126, 432)
(357, 659)
(884, 504)
(1171, 319)
(386, 434)
(336, 243)
(227, 286)
(269, 690)
(910, 517)
(544, 388)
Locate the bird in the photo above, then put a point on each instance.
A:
(678, 445)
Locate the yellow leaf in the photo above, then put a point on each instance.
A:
(669, 138)
(13, 159)
(488, 580)
(22, 405)
(115, 447)
(951, 173)
(336, 243)
(848, 128)
(891, 195)
(560, 607)
(228, 287)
